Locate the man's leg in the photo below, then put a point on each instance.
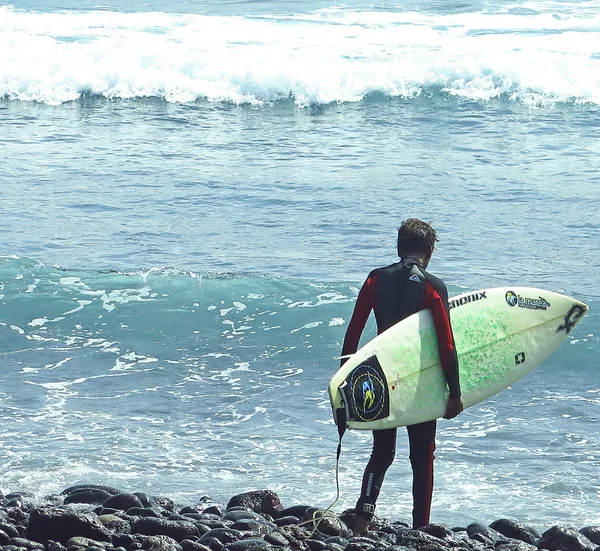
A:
(382, 456)
(422, 447)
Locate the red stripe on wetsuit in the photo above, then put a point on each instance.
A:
(432, 300)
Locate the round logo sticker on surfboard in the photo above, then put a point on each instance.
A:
(368, 398)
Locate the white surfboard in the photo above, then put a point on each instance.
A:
(501, 335)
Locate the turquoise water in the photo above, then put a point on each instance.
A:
(192, 193)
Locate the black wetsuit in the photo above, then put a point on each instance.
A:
(394, 293)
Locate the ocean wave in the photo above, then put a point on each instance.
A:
(321, 58)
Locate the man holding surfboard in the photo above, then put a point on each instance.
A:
(393, 293)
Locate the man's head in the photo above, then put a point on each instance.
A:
(416, 239)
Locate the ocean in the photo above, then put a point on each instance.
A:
(192, 193)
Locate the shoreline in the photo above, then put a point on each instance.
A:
(92, 517)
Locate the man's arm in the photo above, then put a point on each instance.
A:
(362, 309)
(438, 304)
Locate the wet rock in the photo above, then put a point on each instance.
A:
(9, 529)
(484, 534)
(315, 545)
(286, 521)
(247, 545)
(260, 501)
(417, 539)
(27, 544)
(4, 538)
(78, 487)
(48, 523)
(144, 512)
(161, 543)
(559, 538)
(175, 529)
(115, 524)
(277, 539)
(242, 514)
(123, 501)
(166, 503)
(515, 530)
(437, 530)
(224, 535)
(55, 546)
(190, 545)
(84, 543)
(592, 533)
(215, 510)
(258, 526)
(87, 495)
(515, 545)
(145, 499)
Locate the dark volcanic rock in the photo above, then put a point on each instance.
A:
(260, 501)
(592, 533)
(247, 544)
(161, 543)
(176, 529)
(49, 523)
(27, 544)
(87, 495)
(559, 538)
(79, 487)
(514, 529)
(9, 529)
(224, 535)
(123, 501)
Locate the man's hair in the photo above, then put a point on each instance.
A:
(415, 237)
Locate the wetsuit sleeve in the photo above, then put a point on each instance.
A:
(362, 309)
(440, 310)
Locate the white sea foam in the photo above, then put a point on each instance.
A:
(317, 58)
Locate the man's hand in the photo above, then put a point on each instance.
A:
(453, 408)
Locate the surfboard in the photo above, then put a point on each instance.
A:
(501, 334)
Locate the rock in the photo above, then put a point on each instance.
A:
(78, 487)
(214, 509)
(484, 534)
(286, 521)
(241, 514)
(144, 512)
(260, 501)
(145, 499)
(592, 533)
(189, 545)
(559, 538)
(87, 495)
(254, 525)
(115, 524)
(418, 539)
(515, 545)
(176, 529)
(224, 535)
(437, 530)
(9, 529)
(123, 501)
(247, 544)
(161, 543)
(277, 539)
(515, 530)
(315, 545)
(4, 538)
(50, 523)
(84, 543)
(27, 544)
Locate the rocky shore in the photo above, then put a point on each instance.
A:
(101, 518)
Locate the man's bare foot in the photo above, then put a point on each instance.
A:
(360, 526)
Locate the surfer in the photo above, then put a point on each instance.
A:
(393, 293)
